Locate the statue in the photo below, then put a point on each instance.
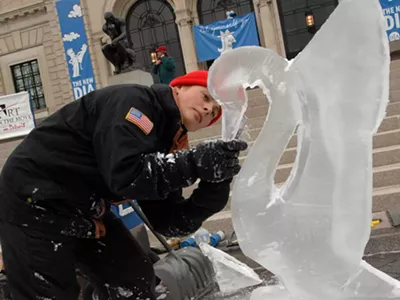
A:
(118, 52)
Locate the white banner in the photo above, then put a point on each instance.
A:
(16, 116)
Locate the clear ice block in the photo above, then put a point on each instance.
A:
(312, 232)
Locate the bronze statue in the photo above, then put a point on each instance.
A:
(118, 51)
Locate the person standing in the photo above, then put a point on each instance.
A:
(165, 66)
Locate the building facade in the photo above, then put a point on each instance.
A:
(32, 55)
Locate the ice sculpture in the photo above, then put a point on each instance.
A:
(312, 232)
(231, 274)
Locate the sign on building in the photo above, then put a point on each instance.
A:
(16, 115)
(391, 10)
(221, 36)
(76, 47)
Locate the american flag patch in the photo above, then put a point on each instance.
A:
(140, 120)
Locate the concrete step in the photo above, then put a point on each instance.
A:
(386, 175)
(386, 193)
(393, 109)
(381, 156)
(390, 123)
(386, 198)
(384, 141)
(258, 115)
(380, 140)
(223, 221)
(383, 176)
(394, 95)
(383, 198)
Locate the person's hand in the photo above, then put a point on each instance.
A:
(217, 161)
(158, 62)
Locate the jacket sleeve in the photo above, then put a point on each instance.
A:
(155, 68)
(126, 155)
(168, 62)
(180, 217)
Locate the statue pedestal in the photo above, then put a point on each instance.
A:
(136, 77)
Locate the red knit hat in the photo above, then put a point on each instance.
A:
(162, 49)
(195, 78)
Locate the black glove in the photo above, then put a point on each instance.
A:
(218, 161)
(156, 174)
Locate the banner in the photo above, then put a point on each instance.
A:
(16, 115)
(76, 47)
(391, 10)
(215, 38)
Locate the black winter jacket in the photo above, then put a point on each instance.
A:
(109, 146)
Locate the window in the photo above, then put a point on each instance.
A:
(151, 23)
(26, 77)
(294, 29)
(215, 10)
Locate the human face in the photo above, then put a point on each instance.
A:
(159, 54)
(197, 107)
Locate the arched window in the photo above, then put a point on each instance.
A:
(151, 23)
(293, 22)
(210, 11)
(215, 10)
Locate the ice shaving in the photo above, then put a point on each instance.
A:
(312, 232)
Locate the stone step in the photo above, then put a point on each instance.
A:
(383, 198)
(394, 95)
(223, 221)
(380, 140)
(388, 140)
(258, 109)
(255, 123)
(383, 176)
(386, 185)
(381, 156)
(394, 92)
(393, 109)
(386, 198)
(386, 175)
(390, 123)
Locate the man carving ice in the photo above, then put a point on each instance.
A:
(117, 143)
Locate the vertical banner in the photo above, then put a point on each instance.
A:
(76, 47)
(16, 115)
(218, 37)
(391, 10)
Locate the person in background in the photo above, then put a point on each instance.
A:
(165, 66)
(116, 143)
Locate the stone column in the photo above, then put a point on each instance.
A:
(184, 21)
(270, 25)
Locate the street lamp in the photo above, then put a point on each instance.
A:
(310, 22)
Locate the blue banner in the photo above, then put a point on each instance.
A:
(391, 10)
(76, 47)
(213, 39)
